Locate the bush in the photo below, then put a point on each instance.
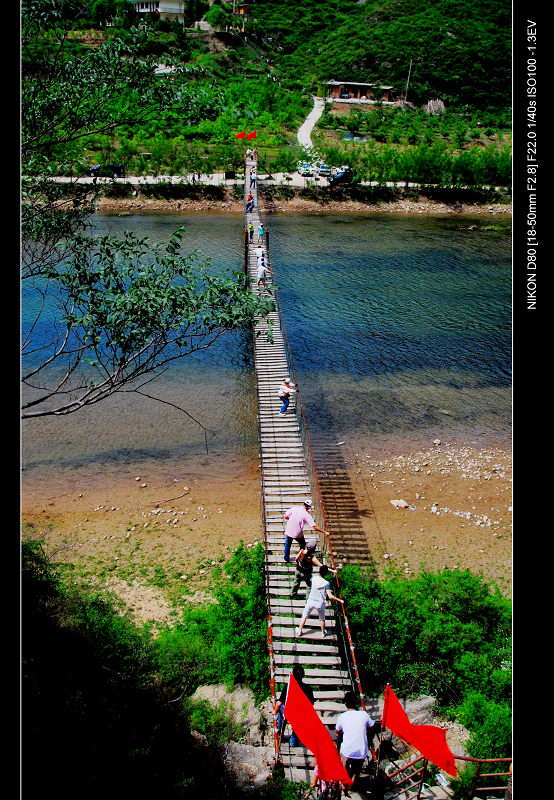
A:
(215, 723)
(103, 691)
(90, 691)
(277, 192)
(277, 787)
(118, 190)
(225, 642)
(240, 630)
(445, 634)
(490, 726)
(178, 191)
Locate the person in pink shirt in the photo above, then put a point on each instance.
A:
(296, 518)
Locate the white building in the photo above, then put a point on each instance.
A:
(168, 9)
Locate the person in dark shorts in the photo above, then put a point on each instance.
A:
(306, 560)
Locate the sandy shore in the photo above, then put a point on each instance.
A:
(447, 506)
(451, 508)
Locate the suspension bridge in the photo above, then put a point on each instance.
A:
(288, 476)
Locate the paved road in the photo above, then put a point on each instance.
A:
(215, 179)
(304, 131)
(218, 179)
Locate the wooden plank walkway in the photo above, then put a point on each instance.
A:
(285, 482)
(286, 478)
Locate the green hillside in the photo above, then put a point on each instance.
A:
(261, 74)
(460, 52)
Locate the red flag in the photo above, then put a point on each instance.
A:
(311, 731)
(240, 135)
(428, 739)
(251, 135)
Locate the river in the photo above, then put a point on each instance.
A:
(399, 327)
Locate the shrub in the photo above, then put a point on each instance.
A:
(225, 642)
(90, 690)
(241, 621)
(490, 726)
(215, 723)
(445, 634)
(117, 190)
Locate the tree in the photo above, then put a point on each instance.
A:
(218, 16)
(108, 312)
(103, 11)
(120, 311)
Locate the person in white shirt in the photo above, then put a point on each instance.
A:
(317, 599)
(353, 735)
(261, 274)
(284, 392)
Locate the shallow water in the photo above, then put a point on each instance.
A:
(399, 327)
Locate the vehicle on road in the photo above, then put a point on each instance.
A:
(342, 175)
(323, 169)
(305, 168)
(106, 171)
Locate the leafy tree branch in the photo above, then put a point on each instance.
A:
(124, 309)
(105, 312)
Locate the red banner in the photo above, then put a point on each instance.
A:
(311, 731)
(251, 135)
(240, 135)
(428, 739)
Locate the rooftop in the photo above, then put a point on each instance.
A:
(356, 83)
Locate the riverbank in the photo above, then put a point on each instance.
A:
(154, 538)
(274, 202)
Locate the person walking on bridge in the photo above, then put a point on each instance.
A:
(317, 599)
(261, 232)
(354, 734)
(306, 560)
(261, 274)
(284, 393)
(297, 517)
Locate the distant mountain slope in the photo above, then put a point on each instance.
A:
(460, 51)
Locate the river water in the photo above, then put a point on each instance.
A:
(400, 332)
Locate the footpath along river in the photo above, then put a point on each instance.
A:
(400, 330)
